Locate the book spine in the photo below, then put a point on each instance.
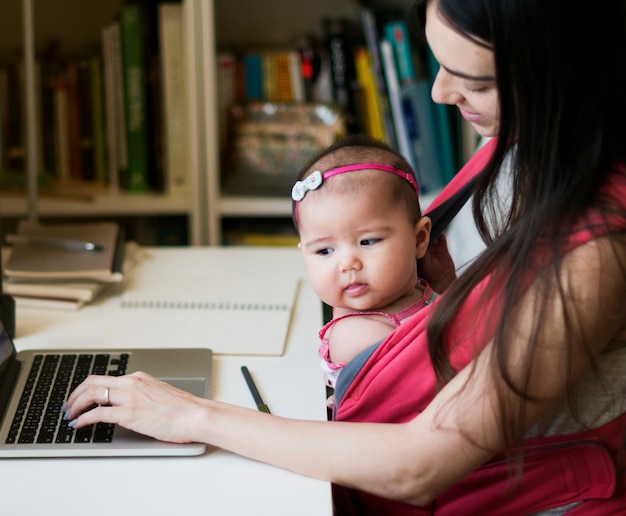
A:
(133, 58)
(416, 100)
(119, 104)
(393, 87)
(14, 129)
(268, 60)
(397, 34)
(296, 77)
(442, 126)
(48, 144)
(253, 77)
(112, 161)
(226, 91)
(85, 121)
(98, 120)
(343, 73)
(174, 127)
(284, 92)
(373, 118)
(62, 130)
(370, 30)
(4, 100)
(73, 92)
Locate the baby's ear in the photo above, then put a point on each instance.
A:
(422, 236)
(299, 245)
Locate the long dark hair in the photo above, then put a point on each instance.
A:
(560, 72)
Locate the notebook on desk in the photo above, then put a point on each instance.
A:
(34, 385)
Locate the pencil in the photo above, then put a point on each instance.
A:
(260, 404)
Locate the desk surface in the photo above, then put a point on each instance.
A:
(218, 482)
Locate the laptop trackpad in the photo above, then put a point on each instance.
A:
(194, 386)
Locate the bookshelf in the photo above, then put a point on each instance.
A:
(73, 35)
(241, 24)
(208, 27)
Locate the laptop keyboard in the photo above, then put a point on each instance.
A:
(52, 378)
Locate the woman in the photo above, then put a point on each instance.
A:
(541, 311)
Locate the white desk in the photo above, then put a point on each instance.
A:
(217, 483)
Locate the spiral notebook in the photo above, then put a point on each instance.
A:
(249, 316)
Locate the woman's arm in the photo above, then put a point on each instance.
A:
(415, 461)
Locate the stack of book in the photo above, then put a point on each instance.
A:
(64, 266)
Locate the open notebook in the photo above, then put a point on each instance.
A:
(249, 316)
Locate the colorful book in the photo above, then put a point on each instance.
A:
(253, 77)
(441, 120)
(393, 87)
(296, 77)
(371, 108)
(415, 103)
(135, 97)
(283, 88)
(175, 166)
(342, 69)
(268, 59)
(370, 30)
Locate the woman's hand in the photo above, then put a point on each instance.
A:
(437, 266)
(138, 402)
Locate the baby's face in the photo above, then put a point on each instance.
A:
(359, 248)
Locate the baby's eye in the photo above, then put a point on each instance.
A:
(324, 252)
(369, 241)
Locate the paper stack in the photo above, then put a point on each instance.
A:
(64, 266)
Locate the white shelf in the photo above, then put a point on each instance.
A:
(98, 205)
(255, 206)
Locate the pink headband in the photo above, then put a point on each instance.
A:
(314, 180)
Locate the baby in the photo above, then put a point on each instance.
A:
(357, 213)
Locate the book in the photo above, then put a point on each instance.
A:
(226, 93)
(283, 88)
(86, 137)
(173, 98)
(98, 120)
(371, 108)
(135, 97)
(441, 120)
(415, 104)
(77, 291)
(114, 100)
(370, 30)
(73, 105)
(393, 87)
(253, 77)
(63, 294)
(296, 74)
(343, 73)
(62, 130)
(36, 256)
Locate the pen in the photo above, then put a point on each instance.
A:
(58, 243)
(255, 393)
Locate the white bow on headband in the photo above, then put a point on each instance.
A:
(311, 182)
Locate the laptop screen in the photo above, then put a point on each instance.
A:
(6, 349)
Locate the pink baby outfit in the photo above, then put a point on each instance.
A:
(332, 369)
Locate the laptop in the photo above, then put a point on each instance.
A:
(34, 385)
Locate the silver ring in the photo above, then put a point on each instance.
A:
(106, 396)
